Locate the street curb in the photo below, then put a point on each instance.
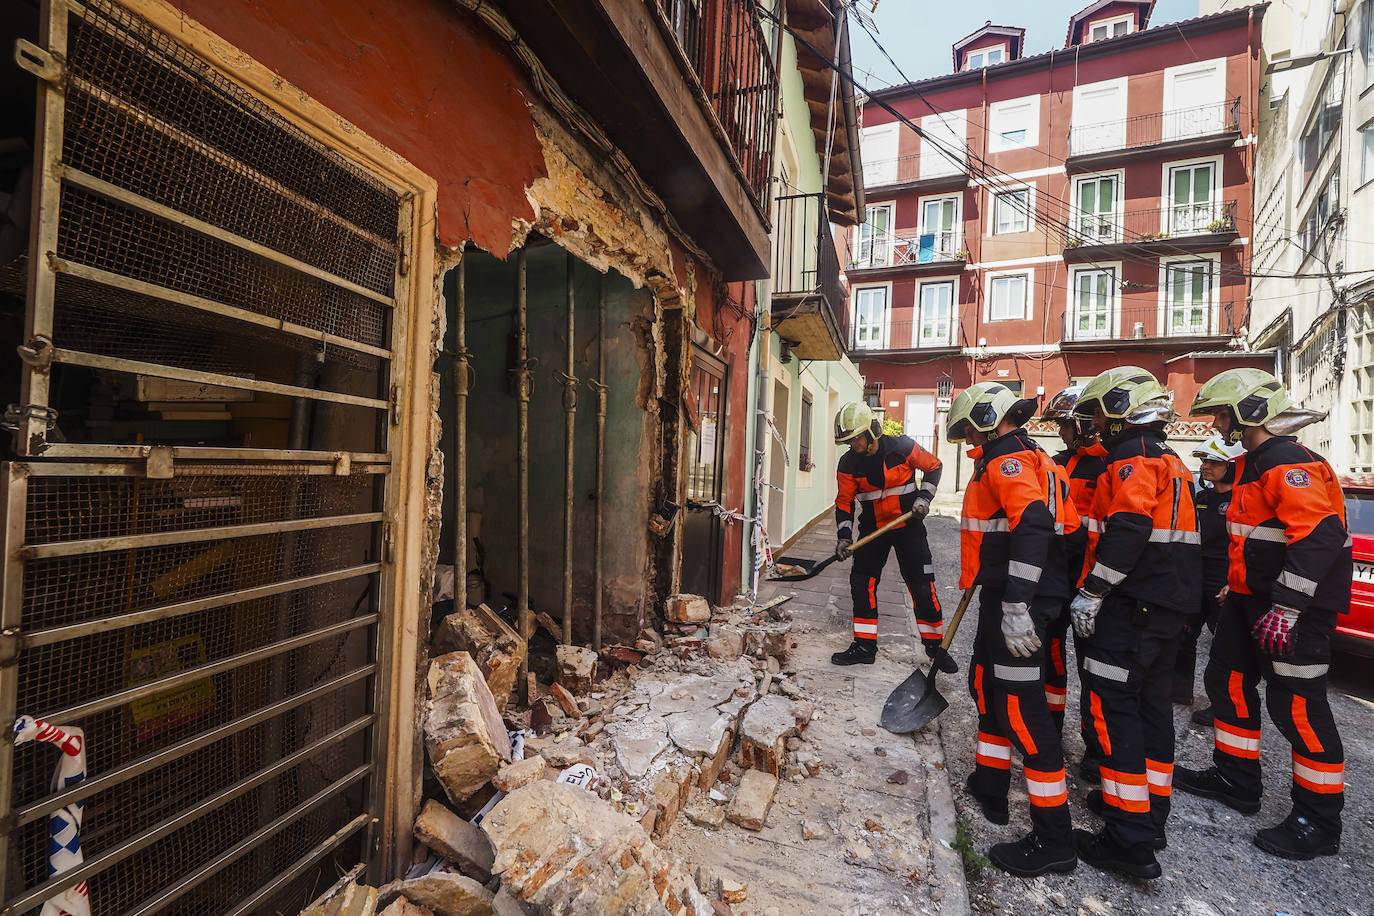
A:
(944, 816)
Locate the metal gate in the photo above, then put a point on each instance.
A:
(195, 536)
(703, 530)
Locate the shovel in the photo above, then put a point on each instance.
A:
(916, 703)
(795, 569)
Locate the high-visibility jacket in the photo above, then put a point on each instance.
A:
(1289, 541)
(883, 485)
(1083, 466)
(1016, 509)
(1142, 529)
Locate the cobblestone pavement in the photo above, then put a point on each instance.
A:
(1211, 866)
(881, 809)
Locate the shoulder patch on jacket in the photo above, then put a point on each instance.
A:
(1126, 470)
(1299, 478)
(1010, 467)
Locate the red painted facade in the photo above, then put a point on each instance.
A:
(1147, 144)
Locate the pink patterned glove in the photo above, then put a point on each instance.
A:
(1274, 631)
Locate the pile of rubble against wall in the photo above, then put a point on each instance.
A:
(704, 719)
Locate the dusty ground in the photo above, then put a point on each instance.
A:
(880, 846)
(1211, 865)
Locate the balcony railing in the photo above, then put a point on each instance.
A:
(1155, 129)
(805, 261)
(908, 248)
(902, 335)
(904, 169)
(725, 46)
(1177, 222)
(1086, 323)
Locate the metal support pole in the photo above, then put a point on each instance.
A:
(461, 384)
(570, 412)
(522, 398)
(599, 385)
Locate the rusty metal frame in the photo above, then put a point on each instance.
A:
(12, 500)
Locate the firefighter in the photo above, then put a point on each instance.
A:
(1082, 462)
(1141, 577)
(1288, 579)
(1015, 508)
(878, 476)
(1215, 465)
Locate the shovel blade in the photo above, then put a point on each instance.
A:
(794, 569)
(913, 705)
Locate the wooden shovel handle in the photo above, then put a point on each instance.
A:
(958, 616)
(867, 538)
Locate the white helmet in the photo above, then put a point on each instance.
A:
(1216, 448)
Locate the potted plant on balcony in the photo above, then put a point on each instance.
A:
(961, 254)
(1072, 242)
(1222, 224)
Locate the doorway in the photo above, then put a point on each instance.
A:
(703, 532)
(919, 422)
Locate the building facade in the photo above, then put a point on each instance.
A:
(1059, 214)
(1312, 299)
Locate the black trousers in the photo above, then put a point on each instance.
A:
(1295, 691)
(1209, 612)
(1012, 711)
(1128, 669)
(918, 572)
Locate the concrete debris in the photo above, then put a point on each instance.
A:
(767, 726)
(687, 609)
(732, 889)
(565, 699)
(566, 755)
(497, 649)
(726, 643)
(576, 668)
(351, 899)
(464, 734)
(455, 839)
(561, 850)
(898, 777)
(753, 800)
(704, 814)
(442, 893)
(520, 773)
(403, 907)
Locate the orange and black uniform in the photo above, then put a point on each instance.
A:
(1016, 511)
(1143, 554)
(1081, 467)
(1289, 545)
(878, 488)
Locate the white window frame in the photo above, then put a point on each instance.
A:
(919, 324)
(1113, 306)
(921, 228)
(1119, 87)
(1367, 145)
(1214, 291)
(885, 333)
(935, 164)
(1204, 123)
(1117, 216)
(875, 134)
(1129, 19)
(861, 262)
(993, 195)
(998, 110)
(1028, 306)
(983, 56)
(1166, 199)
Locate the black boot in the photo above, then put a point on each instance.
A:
(860, 652)
(1031, 856)
(994, 809)
(1098, 805)
(1099, 851)
(939, 656)
(1181, 692)
(1204, 717)
(1210, 783)
(1089, 770)
(1298, 838)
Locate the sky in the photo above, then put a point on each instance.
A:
(919, 33)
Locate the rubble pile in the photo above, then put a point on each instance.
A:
(561, 814)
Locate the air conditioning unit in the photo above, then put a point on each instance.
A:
(1139, 332)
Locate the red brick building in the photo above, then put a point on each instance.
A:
(1059, 214)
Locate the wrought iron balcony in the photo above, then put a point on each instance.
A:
(809, 303)
(1181, 227)
(932, 172)
(1177, 128)
(933, 333)
(929, 251)
(1097, 323)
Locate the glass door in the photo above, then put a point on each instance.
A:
(1092, 305)
(1097, 211)
(1190, 287)
(870, 314)
(939, 232)
(875, 238)
(937, 301)
(1193, 205)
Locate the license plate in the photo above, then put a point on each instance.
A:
(1364, 572)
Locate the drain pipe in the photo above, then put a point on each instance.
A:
(461, 384)
(599, 386)
(570, 413)
(521, 370)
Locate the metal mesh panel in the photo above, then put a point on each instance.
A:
(163, 125)
(112, 237)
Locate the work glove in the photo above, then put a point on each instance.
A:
(1018, 630)
(939, 656)
(921, 507)
(1274, 631)
(842, 547)
(1083, 609)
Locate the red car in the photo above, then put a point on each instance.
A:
(1355, 631)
